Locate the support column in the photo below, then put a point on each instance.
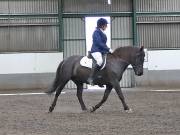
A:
(134, 20)
(60, 18)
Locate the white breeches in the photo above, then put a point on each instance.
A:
(98, 57)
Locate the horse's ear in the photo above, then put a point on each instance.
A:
(141, 48)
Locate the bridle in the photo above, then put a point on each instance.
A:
(137, 66)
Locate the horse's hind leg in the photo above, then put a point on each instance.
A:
(58, 92)
(106, 94)
(79, 95)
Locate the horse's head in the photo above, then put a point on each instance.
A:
(133, 55)
(138, 61)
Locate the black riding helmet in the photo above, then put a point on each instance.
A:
(101, 22)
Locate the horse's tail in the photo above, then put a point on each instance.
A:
(56, 81)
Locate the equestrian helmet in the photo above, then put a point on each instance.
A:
(101, 22)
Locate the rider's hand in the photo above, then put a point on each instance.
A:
(110, 51)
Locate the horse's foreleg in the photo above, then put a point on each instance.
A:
(106, 94)
(79, 96)
(120, 94)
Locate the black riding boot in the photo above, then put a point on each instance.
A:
(93, 73)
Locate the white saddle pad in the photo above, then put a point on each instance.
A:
(86, 62)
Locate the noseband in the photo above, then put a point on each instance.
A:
(136, 66)
(133, 65)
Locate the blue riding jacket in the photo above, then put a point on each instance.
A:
(99, 42)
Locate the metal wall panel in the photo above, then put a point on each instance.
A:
(97, 6)
(33, 38)
(5, 39)
(4, 6)
(158, 5)
(27, 25)
(121, 28)
(33, 6)
(32, 21)
(74, 40)
(159, 31)
(74, 28)
(158, 19)
(119, 43)
(76, 47)
(28, 6)
(29, 34)
(121, 35)
(35, 21)
(165, 36)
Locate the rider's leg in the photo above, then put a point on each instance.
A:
(98, 57)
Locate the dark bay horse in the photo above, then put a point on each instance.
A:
(117, 63)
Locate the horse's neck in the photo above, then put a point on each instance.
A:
(126, 63)
(125, 57)
(124, 53)
(123, 60)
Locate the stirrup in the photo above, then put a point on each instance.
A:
(90, 81)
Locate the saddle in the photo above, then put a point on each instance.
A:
(88, 61)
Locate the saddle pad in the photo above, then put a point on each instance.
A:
(86, 62)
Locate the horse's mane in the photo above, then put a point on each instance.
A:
(121, 51)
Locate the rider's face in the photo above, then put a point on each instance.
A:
(104, 27)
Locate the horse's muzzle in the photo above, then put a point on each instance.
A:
(138, 70)
(139, 73)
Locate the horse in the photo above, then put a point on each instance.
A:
(110, 76)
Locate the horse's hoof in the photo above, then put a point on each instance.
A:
(85, 111)
(50, 109)
(129, 110)
(92, 109)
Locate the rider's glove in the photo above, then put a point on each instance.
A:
(110, 51)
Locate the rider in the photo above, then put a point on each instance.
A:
(99, 47)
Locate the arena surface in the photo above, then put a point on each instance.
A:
(154, 113)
